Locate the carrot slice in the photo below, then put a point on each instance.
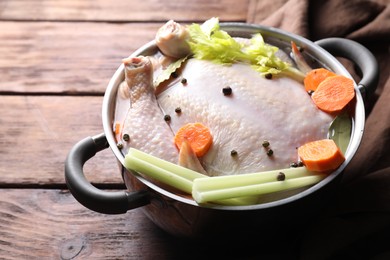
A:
(321, 155)
(117, 128)
(334, 93)
(197, 135)
(314, 77)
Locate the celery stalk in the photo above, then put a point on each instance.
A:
(172, 174)
(168, 166)
(225, 190)
(252, 190)
(228, 181)
(293, 73)
(158, 173)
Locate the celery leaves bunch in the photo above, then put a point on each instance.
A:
(209, 42)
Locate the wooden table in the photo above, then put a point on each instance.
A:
(56, 58)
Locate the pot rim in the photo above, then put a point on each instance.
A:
(244, 29)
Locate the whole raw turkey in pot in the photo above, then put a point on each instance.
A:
(277, 110)
(237, 121)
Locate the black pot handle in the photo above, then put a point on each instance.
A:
(358, 54)
(91, 197)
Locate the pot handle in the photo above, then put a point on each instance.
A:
(358, 54)
(91, 197)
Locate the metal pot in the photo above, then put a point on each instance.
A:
(181, 216)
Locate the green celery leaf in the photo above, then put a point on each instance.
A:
(263, 58)
(208, 42)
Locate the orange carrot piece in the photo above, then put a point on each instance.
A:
(314, 77)
(334, 93)
(117, 128)
(197, 135)
(321, 156)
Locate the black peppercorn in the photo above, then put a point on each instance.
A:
(268, 76)
(270, 152)
(265, 143)
(281, 176)
(227, 91)
(126, 137)
(294, 165)
(178, 110)
(183, 81)
(233, 152)
(167, 118)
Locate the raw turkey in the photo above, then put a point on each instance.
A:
(258, 109)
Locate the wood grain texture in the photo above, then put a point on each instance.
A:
(56, 58)
(37, 132)
(69, 58)
(65, 57)
(51, 224)
(101, 10)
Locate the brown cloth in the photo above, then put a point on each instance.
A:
(356, 225)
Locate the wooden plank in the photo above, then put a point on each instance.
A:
(37, 132)
(61, 228)
(65, 57)
(101, 10)
(51, 224)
